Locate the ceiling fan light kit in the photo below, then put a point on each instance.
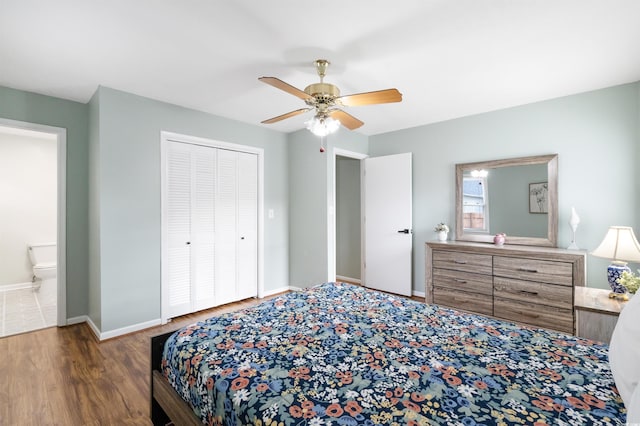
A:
(322, 125)
(325, 99)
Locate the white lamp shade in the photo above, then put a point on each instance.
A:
(620, 244)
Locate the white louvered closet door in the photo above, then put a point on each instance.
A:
(247, 225)
(178, 232)
(203, 163)
(236, 226)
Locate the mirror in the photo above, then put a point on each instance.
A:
(517, 196)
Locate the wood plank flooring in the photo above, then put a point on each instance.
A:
(64, 376)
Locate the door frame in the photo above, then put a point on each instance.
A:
(61, 264)
(331, 214)
(165, 138)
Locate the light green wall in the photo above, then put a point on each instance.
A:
(311, 197)
(73, 116)
(595, 135)
(129, 199)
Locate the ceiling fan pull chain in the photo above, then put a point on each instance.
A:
(322, 143)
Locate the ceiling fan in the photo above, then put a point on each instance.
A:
(325, 99)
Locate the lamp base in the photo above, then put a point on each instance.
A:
(619, 296)
(613, 273)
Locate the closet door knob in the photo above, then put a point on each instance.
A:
(188, 243)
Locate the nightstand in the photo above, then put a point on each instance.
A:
(596, 313)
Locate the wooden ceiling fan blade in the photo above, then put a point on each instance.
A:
(370, 98)
(279, 84)
(346, 119)
(285, 116)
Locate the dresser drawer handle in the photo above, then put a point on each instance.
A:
(458, 280)
(527, 270)
(532, 293)
(460, 262)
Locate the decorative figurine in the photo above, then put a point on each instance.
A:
(574, 220)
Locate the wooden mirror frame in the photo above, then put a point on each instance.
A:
(552, 175)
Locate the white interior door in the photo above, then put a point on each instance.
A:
(388, 223)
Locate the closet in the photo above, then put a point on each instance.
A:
(210, 215)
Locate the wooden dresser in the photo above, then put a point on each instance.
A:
(529, 285)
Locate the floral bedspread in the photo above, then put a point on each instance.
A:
(339, 354)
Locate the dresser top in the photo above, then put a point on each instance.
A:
(509, 250)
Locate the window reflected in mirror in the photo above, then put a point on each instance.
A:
(475, 208)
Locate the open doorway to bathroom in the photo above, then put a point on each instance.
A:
(32, 169)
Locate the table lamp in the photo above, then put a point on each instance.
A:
(621, 246)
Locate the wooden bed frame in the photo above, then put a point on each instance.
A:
(167, 407)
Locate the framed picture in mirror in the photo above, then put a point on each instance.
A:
(539, 197)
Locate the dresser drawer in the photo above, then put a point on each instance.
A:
(466, 301)
(463, 281)
(546, 271)
(533, 314)
(560, 296)
(467, 262)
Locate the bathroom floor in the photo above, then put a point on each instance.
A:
(25, 310)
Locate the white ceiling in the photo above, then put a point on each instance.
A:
(449, 58)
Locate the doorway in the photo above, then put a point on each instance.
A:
(345, 226)
(32, 202)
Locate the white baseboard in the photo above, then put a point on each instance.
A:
(113, 333)
(348, 279)
(94, 328)
(77, 320)
(275, 291)
(129, 329)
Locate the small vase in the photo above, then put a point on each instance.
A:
(499, 239)
(442, 236)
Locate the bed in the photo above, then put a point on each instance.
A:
(343, 355)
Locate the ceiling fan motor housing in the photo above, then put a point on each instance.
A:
(324, 95)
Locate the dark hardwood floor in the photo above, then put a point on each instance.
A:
(64, 376)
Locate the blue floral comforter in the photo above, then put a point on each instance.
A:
(339, 354)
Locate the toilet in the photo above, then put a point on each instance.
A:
(43, 258)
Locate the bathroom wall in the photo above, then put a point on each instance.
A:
(28, 200)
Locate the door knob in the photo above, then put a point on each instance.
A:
(188, 243)
(403, 231)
